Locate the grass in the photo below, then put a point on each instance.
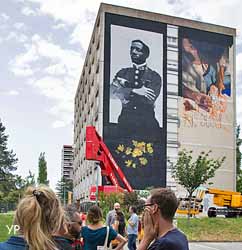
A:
(6, 220)
(199, 229)
(212, 229)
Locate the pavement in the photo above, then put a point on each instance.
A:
(211, 246)
(215, 245)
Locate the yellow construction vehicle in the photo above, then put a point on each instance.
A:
(229, 203)
(196, 202)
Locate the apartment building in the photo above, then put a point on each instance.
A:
(193, 103)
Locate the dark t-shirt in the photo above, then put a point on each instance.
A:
(93, 238)
(63, 243)
(172, 240)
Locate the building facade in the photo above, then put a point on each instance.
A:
(180, 94)
(67, 162)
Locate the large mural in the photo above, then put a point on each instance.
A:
(205, 77)
(135, 98)
(206, 103)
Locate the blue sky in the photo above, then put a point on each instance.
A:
(42, 47)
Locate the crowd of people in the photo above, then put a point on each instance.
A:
(45, 225)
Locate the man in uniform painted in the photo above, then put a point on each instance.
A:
(137, 87)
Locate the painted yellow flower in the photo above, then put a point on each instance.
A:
(121, 147)
(128, 163)
(150, 149)
(137, 152)
(135, 155)
(128, 151)
(143, 161)
(141, 146)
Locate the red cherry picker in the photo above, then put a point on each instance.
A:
(96, 150)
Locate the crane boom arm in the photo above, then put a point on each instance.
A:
(96, 150)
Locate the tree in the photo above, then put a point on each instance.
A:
(42, 178)
(132, 199)
(63, 187)
(238, 161)
(30, 179)
(8, 163)
(191, 174)
(107, 200)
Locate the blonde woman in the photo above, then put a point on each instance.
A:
(95, 233)
(39, 215)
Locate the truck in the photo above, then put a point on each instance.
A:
(229, 203)
(226, 202)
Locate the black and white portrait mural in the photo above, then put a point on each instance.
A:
(135, 98)
(136, 82)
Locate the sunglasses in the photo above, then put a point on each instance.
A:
(146, 205)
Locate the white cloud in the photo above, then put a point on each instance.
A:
(19, 26)
(82, 35)
(13, 92)
(57, 69)
(4, 17)
(16, 36)
(57, 79)
(27, 11)
(52, 88)
(58, 124)
(21, 64)
(61, 92)
(9, 93)
(71, 12)
(60, 26)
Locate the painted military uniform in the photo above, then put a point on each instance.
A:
(137, 115)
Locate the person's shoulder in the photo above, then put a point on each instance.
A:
(63, 243)
(174, 239)
(153, 72)
(13, 243)
(84, 229)
(163, 243)
(124, 70)
(178, 233)
(112, 230)
(112, 233)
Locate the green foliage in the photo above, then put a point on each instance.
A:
(211, 229)
(238, 161)
(11, 185)
(192, 174)
(8, 163)
(62, 188)
(132, 199)
(10, 199)
(239, 183)
(106, 201)
(42, 178)
(6, 220)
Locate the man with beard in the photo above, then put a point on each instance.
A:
(112, 213)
